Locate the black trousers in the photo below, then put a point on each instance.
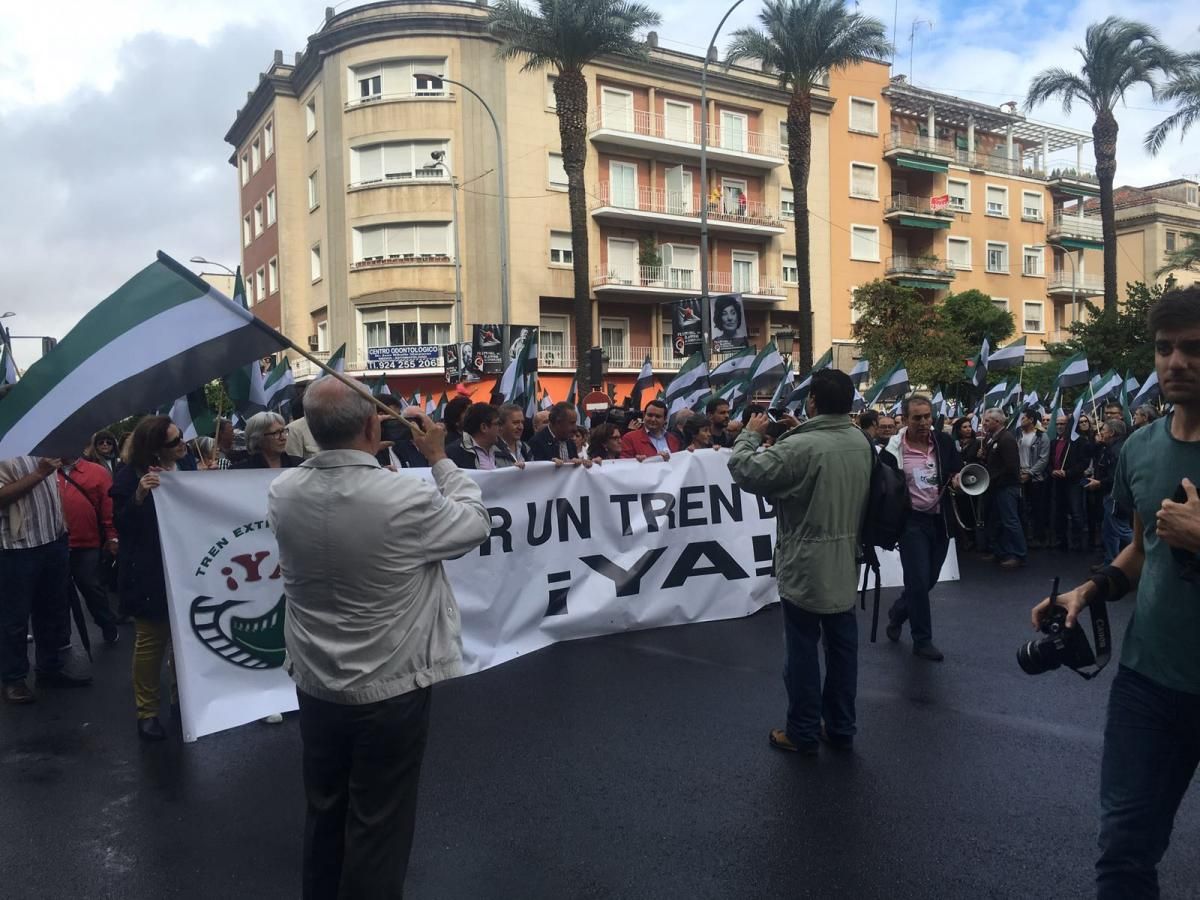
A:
(361, 768)
(85, 573)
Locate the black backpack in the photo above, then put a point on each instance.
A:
(888, 506)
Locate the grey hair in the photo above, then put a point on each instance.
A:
(507, 409)
(336, 413)
(257, 425)
(995, 413)
(1116, 426)
(1148, 411)
(206, 446)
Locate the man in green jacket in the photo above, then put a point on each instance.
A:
(817, 477)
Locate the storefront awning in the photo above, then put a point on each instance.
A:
(922, 165)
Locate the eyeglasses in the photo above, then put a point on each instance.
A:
(104, 441)
(171, 445)
(282, 432)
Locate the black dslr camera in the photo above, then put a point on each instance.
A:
(1063, 646)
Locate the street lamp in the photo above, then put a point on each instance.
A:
(200, 260)
(708, 54)
(503, 195)
(7, 314)
(439, 162)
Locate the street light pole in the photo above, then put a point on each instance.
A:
(504, 296)
(708, 53)
(200, 260)
(439, 161)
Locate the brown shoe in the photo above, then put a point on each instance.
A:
(18, 692)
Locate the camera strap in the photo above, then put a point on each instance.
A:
(1103, 638)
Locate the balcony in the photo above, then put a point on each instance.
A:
(672, 282)
(654, 205)
(924, 272)
(1075, 232)
(654, 132)
(1072, 181)
(416, 176)
(1059, 283)
(907, 211)
(401, 259)
(620, 359)
(915, 151)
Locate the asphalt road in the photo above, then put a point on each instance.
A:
(634, 765)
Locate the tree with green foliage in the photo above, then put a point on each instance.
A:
(1120, 341)
(973, 316)
(1183, 89)
(803, 41)
(897, 323)
(568, 35)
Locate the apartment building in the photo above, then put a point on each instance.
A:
(350, 235)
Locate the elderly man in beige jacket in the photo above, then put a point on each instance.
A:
(371, 624)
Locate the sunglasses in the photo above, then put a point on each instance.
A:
(171, 445)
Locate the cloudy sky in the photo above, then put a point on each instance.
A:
(111, 125)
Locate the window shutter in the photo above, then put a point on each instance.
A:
(372, 242)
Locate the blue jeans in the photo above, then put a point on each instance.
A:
(1116, 532)
(33, 583)
(1151, 749)
(923, 549)
(808, 703)
(1006, 537)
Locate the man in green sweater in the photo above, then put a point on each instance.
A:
(817, 476)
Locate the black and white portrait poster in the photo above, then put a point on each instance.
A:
(728, 323)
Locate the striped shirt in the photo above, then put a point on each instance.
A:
(37, 518)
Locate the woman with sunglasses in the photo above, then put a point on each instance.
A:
(156, 446)
(103, 451)
(266, 441)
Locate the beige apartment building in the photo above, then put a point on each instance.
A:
(348, 223)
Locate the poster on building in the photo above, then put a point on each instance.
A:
(521, 336)
(687, 327)
(399, 358)
(728, 323)
(487, 349)
(459, 363)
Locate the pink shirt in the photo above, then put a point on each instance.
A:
(921, 475)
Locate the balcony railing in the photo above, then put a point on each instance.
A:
(424, 174)
(656, 125)
(1068, 172)
(920, 267)
(918, 143)
(681, 203)
(1060, 281)
(662, 358)
(401, 259)
(1069, 225)
(685, 280)
(920, 206)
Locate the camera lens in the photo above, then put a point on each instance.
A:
(1037, 657)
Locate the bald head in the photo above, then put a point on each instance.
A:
(340, 417)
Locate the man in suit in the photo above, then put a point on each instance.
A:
(653, 438)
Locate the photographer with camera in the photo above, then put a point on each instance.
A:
(1152, 732)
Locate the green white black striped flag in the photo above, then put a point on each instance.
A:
(245, 384)
(995, 395)
(893, 384)
(688, 385)
(732, 368)
(192, 416)
(860, 373)
(779, 398)
(735, 394)
(1148, 392)
(163, 333)
(1073, 372)
(768, 369)
(278, 384)
(337, 362)
(645, 381)
(8, 365)
(1010, 357)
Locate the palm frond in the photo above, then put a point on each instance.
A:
(1185, 90)
(569, 34)
(1058, 83)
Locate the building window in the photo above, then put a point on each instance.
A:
(249, 288)
(1032, 261)
(552, 341)
(314, 196)
(1034, 321)
(1191, 196)
(864, 243)
(681, 263)
(410, 240)
(247, 232)
(614, 338)
(863, 181)
(677, 122)
(958, 253)
(1031, 206)
(960, 195)
(997, 201)
(744, 264)
(310, 117)
(407, 326)
(270, 207)
(557, 173)
(862, 115)
(397, 78)
(268, 139)
(260, 284)
(783, 137)
(791, 273)
(401, 161)
(551, 98)
(997, 257)
(322, 337)
(255, 156)
(734, 126)
(245, 168)
(273, 275)
(787, 203)
(258, 218)
(1171, 239)
(314, 262)
(561, 253)
(1000, 303)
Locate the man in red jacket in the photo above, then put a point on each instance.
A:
(652, 439)
(88, 509)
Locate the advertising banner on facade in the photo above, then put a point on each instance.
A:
(573, 553)
(687, 327)
(487, 349)
(419, 356)
(728, 324)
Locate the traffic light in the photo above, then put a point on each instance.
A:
(48, 344)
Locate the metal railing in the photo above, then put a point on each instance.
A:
(1071, 225)
(656, 125)
(632, 357)
(681, 203)
(929, 266)
(422, 174)
(918, 143)
(676, 279)
(1071, 172)
(1060, 280)
(908, 203)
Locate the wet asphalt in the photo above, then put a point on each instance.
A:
(633, 765)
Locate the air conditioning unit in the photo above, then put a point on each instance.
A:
(313, 342)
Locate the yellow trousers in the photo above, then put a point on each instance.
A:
(152, 643)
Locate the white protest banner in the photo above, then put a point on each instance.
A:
(573, 553)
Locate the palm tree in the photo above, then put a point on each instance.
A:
(1185, 257)
(1183, 89)
(568, 35)
(1117, 55)
(803, 40)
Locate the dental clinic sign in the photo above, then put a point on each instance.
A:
(417, 356)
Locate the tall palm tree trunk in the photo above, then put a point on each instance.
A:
(799, 127)
(1104, 142)
(570, 91)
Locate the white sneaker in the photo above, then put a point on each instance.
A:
(273, 719)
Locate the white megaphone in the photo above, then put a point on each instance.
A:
(973, 480)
